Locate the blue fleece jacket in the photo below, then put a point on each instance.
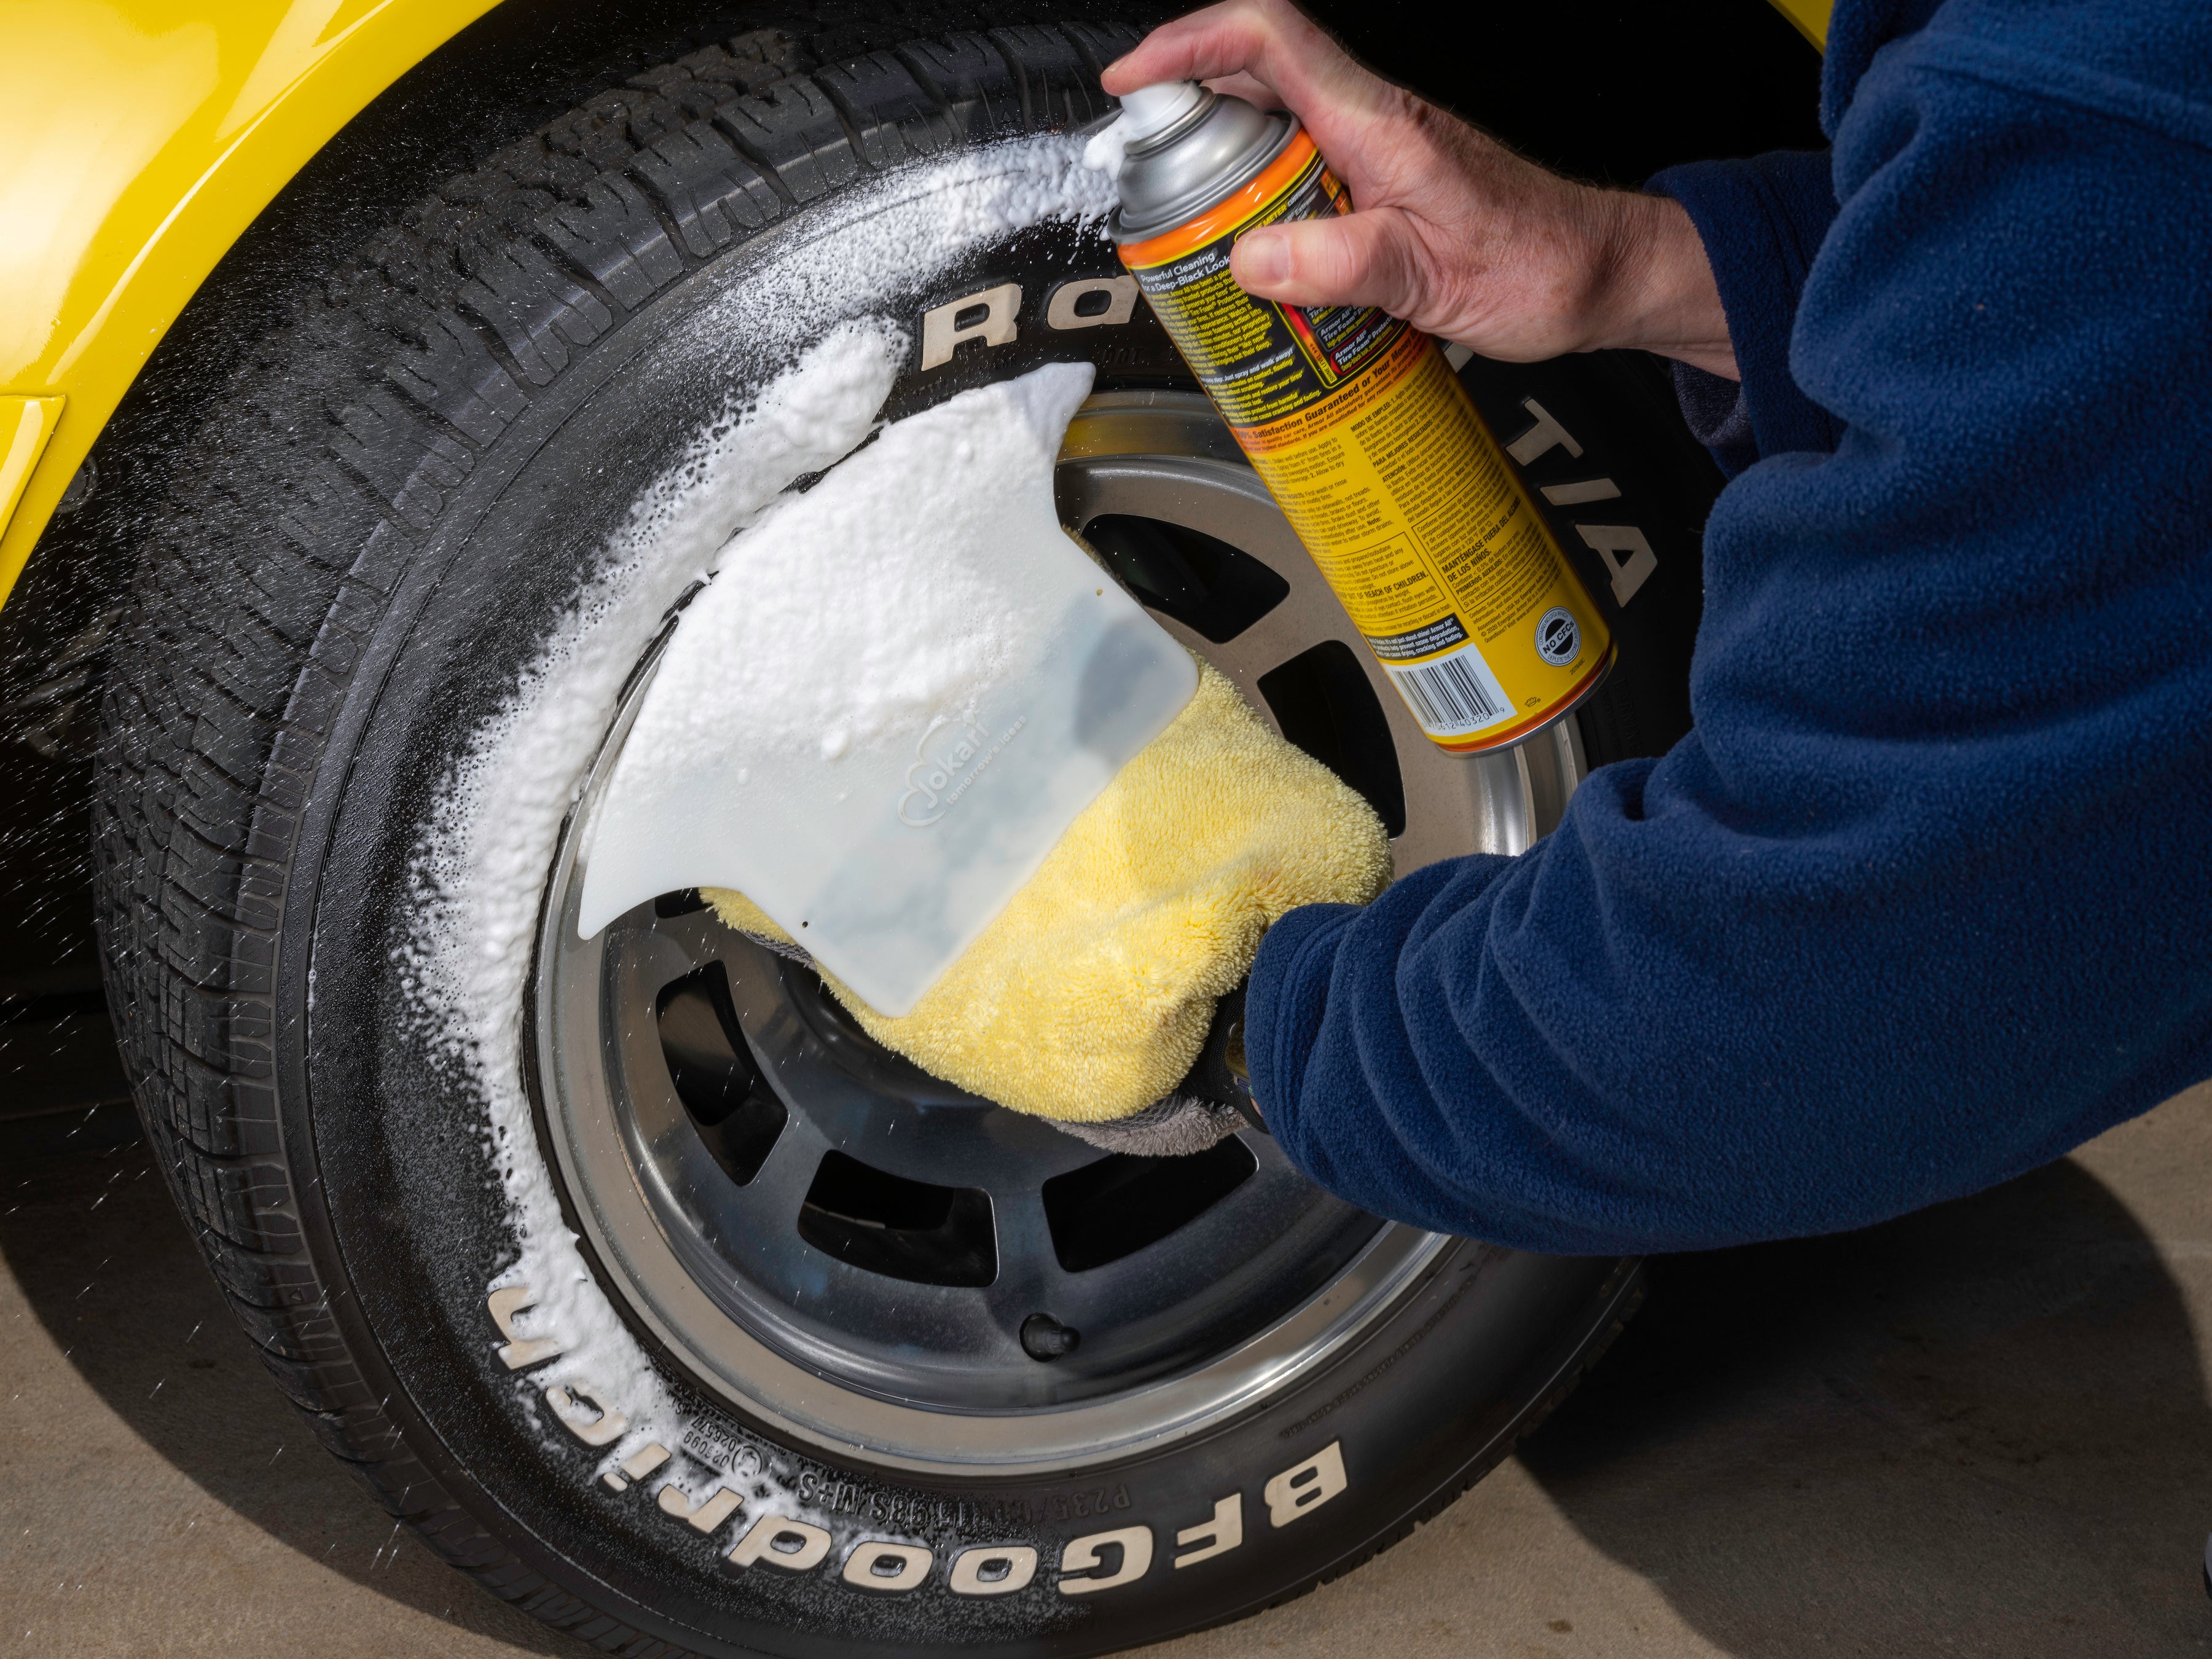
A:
(1925, 899)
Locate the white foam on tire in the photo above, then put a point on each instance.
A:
(482, 861)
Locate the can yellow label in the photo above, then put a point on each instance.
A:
(1387, 472)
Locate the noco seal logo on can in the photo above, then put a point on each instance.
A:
(1366, 438)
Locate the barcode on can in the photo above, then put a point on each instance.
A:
(1451, 695)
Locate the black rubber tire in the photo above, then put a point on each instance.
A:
(401, 492)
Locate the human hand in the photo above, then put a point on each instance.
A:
(1221, 1074)
(1451, 231)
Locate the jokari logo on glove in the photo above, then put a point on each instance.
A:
(953, 754)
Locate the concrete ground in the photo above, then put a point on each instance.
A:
(1980, 1431)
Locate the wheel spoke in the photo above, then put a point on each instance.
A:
(772, 1200)
(1030, 1277)
(1267, 644)
(698, 933)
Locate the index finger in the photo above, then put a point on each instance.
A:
(1218, 41)
(1238, 42)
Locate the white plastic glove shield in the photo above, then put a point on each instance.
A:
(899, 689)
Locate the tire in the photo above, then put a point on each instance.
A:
(411, 490)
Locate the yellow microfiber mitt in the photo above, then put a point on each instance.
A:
(1089, 996)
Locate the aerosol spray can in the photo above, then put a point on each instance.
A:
(1359, 428)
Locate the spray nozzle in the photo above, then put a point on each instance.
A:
(1154, 109)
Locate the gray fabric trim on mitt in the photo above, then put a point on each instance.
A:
(1175, 1126)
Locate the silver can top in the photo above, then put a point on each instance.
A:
(1190, 151)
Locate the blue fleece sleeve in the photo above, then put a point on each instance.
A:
(1761, 222)
(1926, 897)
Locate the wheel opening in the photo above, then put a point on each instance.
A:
(1119, 1203)
(888, 1224)
(669, 906)
(858, 1054)
(715, 1076)
(1325, 704)
(1210, 588)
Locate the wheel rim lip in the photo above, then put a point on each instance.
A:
(649, 1276)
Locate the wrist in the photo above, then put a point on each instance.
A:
(1653, 287)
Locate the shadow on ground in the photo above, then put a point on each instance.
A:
(109, 1270)
(1982, 1429)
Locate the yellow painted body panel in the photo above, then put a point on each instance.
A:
(137, 139)
(25, 426)
(1811, 17)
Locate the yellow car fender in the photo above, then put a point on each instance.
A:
(140, 137)
(1811, 17)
